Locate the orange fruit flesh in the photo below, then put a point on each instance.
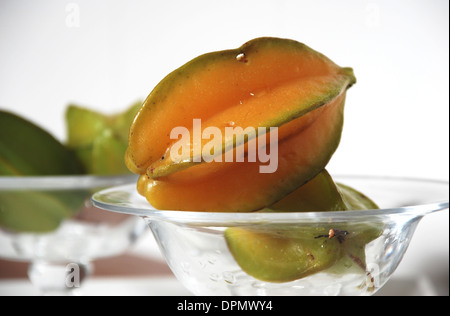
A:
(211, 84)
(231, 187)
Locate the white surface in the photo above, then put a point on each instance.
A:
(169, 286)
(164, 286)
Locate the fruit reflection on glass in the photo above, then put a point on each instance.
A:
(267, 83)
(45, 188)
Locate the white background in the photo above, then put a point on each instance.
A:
(108, 54)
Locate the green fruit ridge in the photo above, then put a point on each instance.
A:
(283, 253)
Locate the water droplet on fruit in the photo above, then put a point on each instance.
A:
(241, 57)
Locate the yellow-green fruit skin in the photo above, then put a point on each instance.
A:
(282, 255)
(108, 155)
(317, 195)
(355, 200)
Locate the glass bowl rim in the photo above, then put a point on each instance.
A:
(221, 218)
(63, 182)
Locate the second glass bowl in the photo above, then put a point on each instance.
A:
(61, 247)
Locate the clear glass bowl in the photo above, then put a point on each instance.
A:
(196, 250)
(60, 256)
